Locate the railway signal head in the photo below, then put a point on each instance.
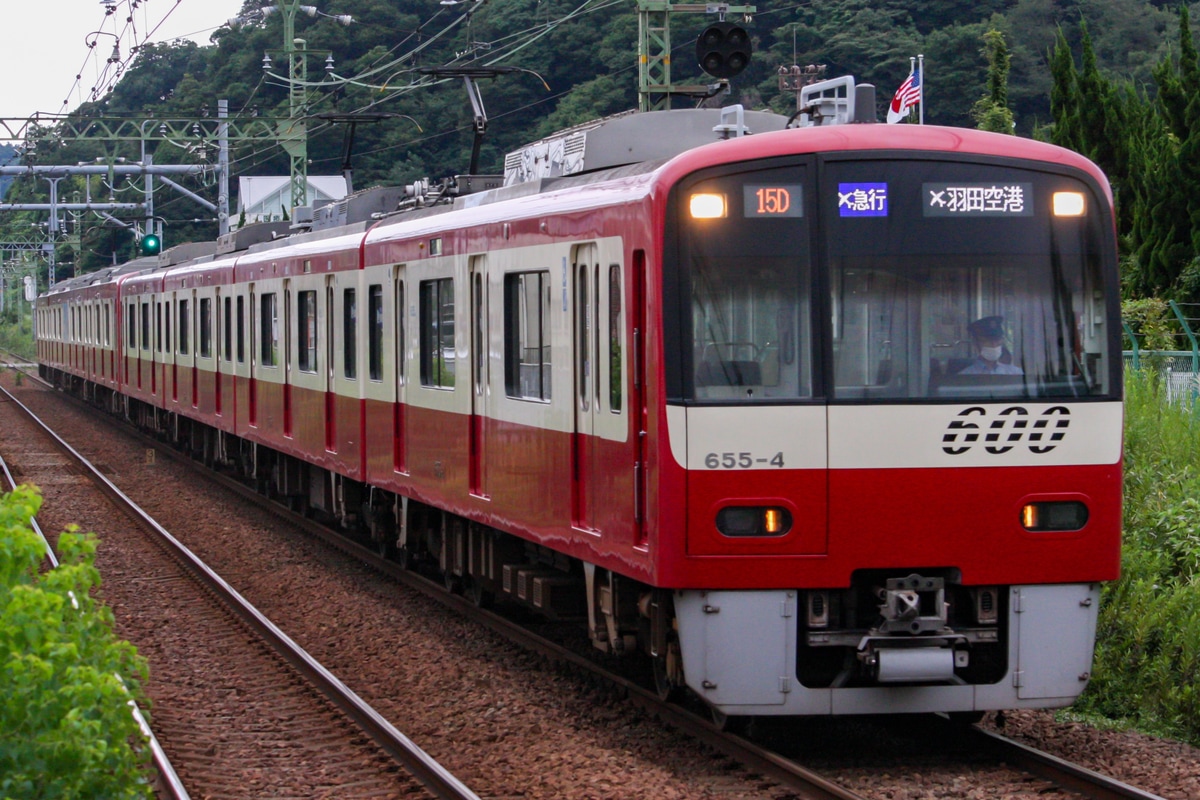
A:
(151, 245)
(723, 49)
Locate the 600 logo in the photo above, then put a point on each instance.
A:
(1007, 429)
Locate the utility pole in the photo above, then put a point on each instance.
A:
(293, 132)
(294, 137)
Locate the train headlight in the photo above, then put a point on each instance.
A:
(1069, 204)
(705, 205)
(741, 521)
(1069, 515)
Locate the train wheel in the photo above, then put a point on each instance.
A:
(386, 547)
(668, 690)
(453, 583)
(481, 597)
(731, 723)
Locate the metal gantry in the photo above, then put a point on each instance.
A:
(654, 50)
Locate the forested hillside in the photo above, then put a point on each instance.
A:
(585, 52)
(8, 155)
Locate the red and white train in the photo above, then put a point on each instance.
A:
(717, 400)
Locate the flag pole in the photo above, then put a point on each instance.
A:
(921, 87)
(912, 70)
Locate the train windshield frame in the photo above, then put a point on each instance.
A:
(862, 278)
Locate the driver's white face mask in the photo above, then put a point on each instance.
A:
(991, 353)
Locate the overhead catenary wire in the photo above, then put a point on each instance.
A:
(499, 50)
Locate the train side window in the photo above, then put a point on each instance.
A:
(350, 333)
(158, 338)
(401, 329)
(526, 338)
(269, 333)
(615, 302)
(185, 320)
(108, 326)
(241, 330)
(375, 331)
(306, 322)
(228, 329)
(205, 327)
(437, 333)
(131, 325)
(145, 326)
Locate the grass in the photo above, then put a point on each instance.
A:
(17, 337)
(1147, 668)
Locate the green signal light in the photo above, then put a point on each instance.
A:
(151, 245)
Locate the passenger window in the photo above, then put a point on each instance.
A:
(185, 319)
(206, 327)
(228, 330)
(615, 301)
(269, 332)
(437, 333)
(241, 330)
(375, 332)
(349, 334)
(527, 336)
(306, 320)
(145, 326)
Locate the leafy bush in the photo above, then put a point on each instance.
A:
(1147, 668)
(66, 728)
(17, 337)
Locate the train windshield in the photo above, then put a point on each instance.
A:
(932, 279)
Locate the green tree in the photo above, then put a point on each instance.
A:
(991, 112)
(66, 730)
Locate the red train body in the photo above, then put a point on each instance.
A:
(715, 405)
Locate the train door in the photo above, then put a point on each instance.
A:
(287, 357)
(479, 374)
(585, 343)
(252, 357)
(637, 384)
(219, 328)
(146, 356)
(400, 353)
(330, 360)
(195, 324)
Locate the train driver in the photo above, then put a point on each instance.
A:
(992, 357)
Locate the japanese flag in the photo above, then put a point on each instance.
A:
(907, 96)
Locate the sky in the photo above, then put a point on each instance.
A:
(46, 44)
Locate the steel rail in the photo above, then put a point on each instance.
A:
(808, 784)
(166, 777)
(33, 523)
(436, 778)
(1066, 774)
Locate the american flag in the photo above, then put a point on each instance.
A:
(907, 96)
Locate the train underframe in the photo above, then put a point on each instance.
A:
(897, 641)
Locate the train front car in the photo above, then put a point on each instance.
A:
(893, 379)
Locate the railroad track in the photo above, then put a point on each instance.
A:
(804, 782)
(1079, 779)
(259, 674)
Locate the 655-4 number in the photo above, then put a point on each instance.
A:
(741, 460)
